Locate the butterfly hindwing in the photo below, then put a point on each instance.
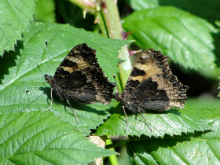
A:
(80, 78)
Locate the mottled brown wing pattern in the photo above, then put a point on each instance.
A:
(80, 78)
(152, 86)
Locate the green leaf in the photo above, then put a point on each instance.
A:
(212, 117)
(143, 4)
(219, 88)
(45, 11)
(208, 10)
(175, 33)
(27, 66)
(172, 122)
(197, 148)
(14, 20)
(41, 138)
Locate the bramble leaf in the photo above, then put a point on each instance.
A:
(41, 138)
(176, 34)
(27, 66)
(15, 16)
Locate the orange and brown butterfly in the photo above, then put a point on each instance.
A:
(80, 78)
(152, 86)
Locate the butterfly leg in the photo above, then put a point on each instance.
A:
(115, 84)
(123, 107)
(145, 120)
(72, 110)
(51, 98)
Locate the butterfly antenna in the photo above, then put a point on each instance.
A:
(145, 121)
(123, 107)
(72, 110)
(33, 87)
(51, 89)
(48, 55)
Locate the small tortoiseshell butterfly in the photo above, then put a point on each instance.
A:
(80, 78)
(152, 86)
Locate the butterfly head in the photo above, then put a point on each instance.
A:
(49, 79)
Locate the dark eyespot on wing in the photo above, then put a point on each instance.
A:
(137, 72)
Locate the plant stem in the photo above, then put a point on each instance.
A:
(113, 159)
(112, 20)
(100, 20)
(111, 16)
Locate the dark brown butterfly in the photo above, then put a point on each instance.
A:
(152, 86)
(80, 78)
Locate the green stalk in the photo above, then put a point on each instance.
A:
(111, 16)
(113, 158)
(100, 20)
(113, 24)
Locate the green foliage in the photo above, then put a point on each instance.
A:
(182, 42)
(202, 8)
(29, 63)
(32, 62)
(42, 138)
(173, 122)
(143, 4)
(219, 88)
(30, 134)
(45, 10)
(14, 19)
(197, 148)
